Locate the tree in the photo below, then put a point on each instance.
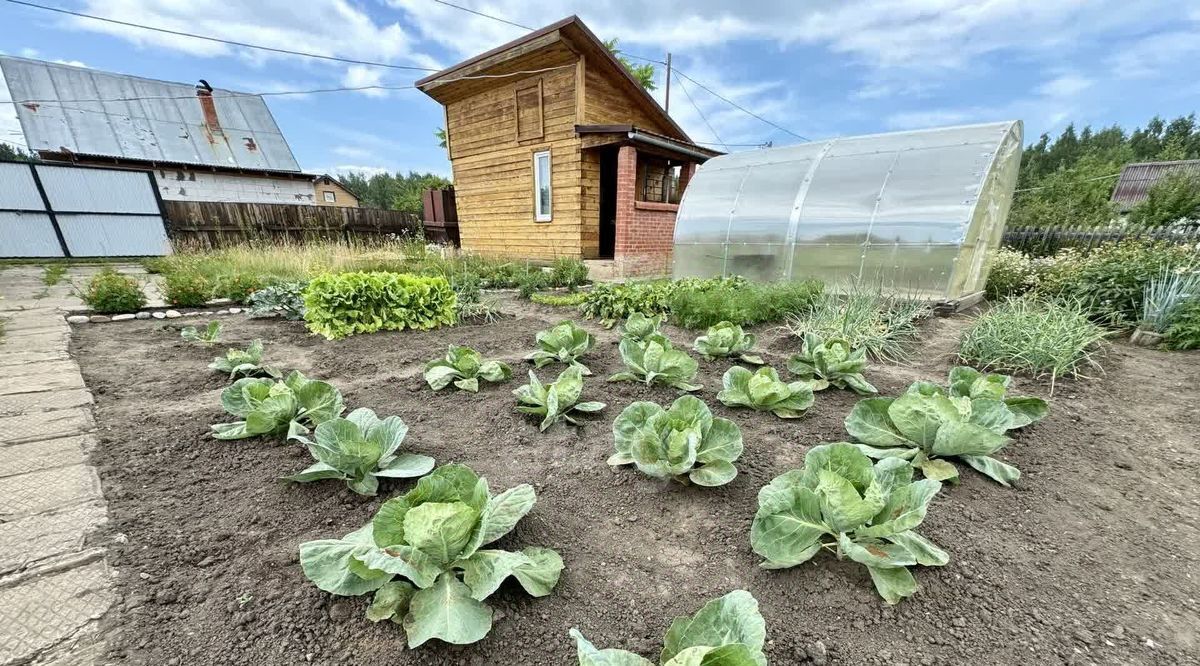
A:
(440, 135)
(644, 74)
(1174, 197)
(392, 191)
(8, 152)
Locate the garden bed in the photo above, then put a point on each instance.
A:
(1087, 560)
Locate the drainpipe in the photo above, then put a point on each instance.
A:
(637, 137)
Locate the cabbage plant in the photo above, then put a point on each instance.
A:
(423, 556)
(831, 362)
(281, 407)
(556, 401)
(564, 343)
(464, 367)
(640, 327)
(359, 449)
(655, 361)
(243, 362)
(685, 442)
(727, 339)
(843, 503)
(209, 335)
(929, 423)
(762, 390)
(728, 631)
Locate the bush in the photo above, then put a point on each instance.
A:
(111, 292)
(742, 303)
(1173, 198)
(531, 283)
(284, 298)
(186, 288)
(883, 324)
(238, 287)
(1033, 336)
(1012, 274)
(568, 273)
(1184, 330)
(337, 305)
(610, 302)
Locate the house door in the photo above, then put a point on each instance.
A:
(608, 202)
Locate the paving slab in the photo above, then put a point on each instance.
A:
(46, 454)
(47, 490)
(45, 425)
(10, 356)
(44, 612)
(41, 382)
(23, 403)
(33, 540)
(62, 365)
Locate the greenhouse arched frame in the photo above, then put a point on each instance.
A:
(919, 212)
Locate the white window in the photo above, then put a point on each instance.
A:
(330, 197)
(541, 186)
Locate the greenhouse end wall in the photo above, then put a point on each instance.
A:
(917, 212)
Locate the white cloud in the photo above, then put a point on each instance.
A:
(353, 152)
(358, 76)
(1065, 85)
(1156, 55)
(366, 170)
(10, 127)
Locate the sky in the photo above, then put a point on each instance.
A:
(818, 69)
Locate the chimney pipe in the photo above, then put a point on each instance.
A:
(208, 107)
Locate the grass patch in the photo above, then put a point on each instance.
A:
(560, 300)
(52, 274)
(739, 302)
(1036, 337)
(884, 324)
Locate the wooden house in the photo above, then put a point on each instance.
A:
(557, 151)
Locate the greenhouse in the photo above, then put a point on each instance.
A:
(920, 212)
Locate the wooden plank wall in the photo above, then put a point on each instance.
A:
(590, 204)
(608, 102)
(493, 171)
(214, 223)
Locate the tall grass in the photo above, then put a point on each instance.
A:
(1037, 337)
(740, 302)
(1164, 294)
(885, 324)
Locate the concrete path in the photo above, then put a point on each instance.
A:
(53, 589)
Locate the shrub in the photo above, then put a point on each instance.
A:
(283, 298)
(531, 283)
(685, 442)
(338, 305)
(238, 287)
(883, 324)
(559, 300)
(359, 449)
(568, 273)
(423, 557)
(111, 292)
(704, 304)
(1012, 274)
(1173, 198)
(655, 361)
(186, 288)
(1033, 336)
(1184, 330)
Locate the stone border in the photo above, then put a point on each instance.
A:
(148, 314)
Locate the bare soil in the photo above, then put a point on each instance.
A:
(1090, 560)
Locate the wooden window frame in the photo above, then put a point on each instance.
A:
(330, 196)
(541, 118)
(538, 216)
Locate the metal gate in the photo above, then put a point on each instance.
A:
(49, 210)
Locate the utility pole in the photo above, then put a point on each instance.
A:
(668, 106)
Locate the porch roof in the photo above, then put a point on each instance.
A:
(604, 135)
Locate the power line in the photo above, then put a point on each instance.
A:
(703, 117)
(477, 13)
(230, 42)
(1076, 182)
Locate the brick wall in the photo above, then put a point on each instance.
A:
(645, 230)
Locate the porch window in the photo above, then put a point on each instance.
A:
(658, 181)
(541, 186)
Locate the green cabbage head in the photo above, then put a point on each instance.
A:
(640, 327)
(762, 390)
(556, 401)
(727, 339)
(360, 449)
(655, 361)
(728, 631)
(843, 503)
(564, 343)
(685, 442)
(929, 424)
(281, 407)
(244, 363)
(423, 556)
(831, 362)
(464, 367)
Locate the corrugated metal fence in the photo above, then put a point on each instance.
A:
(213, 223)
(1045, 241)
(70, 211)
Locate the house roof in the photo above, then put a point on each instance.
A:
(637, 134)
(571, 28)
(80, 111)
(1136, 179)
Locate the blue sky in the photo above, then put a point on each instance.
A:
(819, 69)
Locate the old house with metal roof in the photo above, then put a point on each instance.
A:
(558, 151)
(1135, 181)
(201, 143)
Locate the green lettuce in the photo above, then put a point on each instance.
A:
(209, 335)
(685, 442)
(359, 449)
(556, 401)
(843, 503)
(640, 327)
(423, 556)
(464, 367)
(728, 631)
(831, 362)
(762, 390)
(929, 423)
(727, 339)
(564, 343)
(655, 361)
(244, 363)
(280, 407)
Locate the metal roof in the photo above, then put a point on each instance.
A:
(1136, 179)
(141, 119)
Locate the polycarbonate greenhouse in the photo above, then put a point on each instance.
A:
(920, 212)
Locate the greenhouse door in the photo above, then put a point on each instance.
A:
(608, 202)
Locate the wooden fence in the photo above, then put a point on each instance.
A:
(213, 224)
(1045, 241)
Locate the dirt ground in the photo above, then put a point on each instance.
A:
(1087, 561)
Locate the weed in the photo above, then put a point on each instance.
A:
(187, 288)
(1184, 331)
(52, 274)
(570, 273)
(111, 292)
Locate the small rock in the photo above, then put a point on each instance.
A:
(1117, 632)
(206, 561)
(142, 315)
(959, 622)
(99, 319)
(123, 317)
(1084, 636)
(165, 597)
(818, 654)
(158, 315)
(222, 312)
(1123, 464)
(339, 612)
(172, 314)
(235, 310)
(144, 576)
(78, 319)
